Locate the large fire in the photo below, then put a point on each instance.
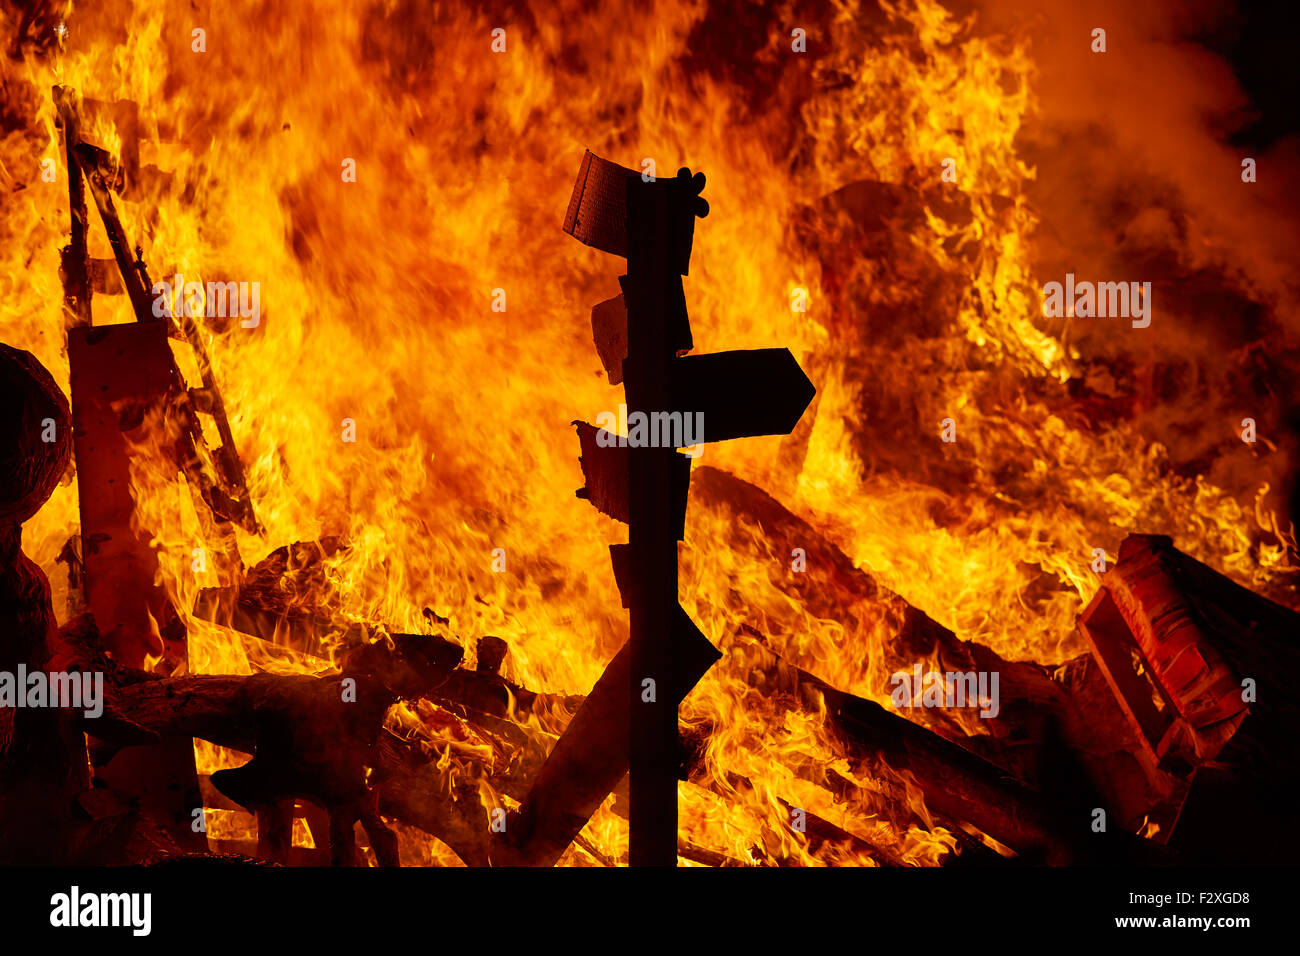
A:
(455, 503)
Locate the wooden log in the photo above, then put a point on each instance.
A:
(822, 836)
(312, 737)
(703, 855)
(490, 654)
(485, 700)
(516, 783)
(280, 599)
(482, 697)
(953, 780)
(409, 785)
(1065, 718)
(278, 602)
(897, 635)
(486, 697)
(891, 805)
(412, 789)
(308, 739)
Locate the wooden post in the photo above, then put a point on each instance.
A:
(713, 398)
(74, 257)
(647, 375)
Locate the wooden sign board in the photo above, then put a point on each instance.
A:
(605, 470)
(597, 213)
(742, 394)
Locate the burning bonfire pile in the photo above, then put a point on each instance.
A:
(287, 476)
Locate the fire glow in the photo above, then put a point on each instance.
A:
(415, 444)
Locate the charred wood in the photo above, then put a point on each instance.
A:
(312, 737)
(954, 781)
(590, 758)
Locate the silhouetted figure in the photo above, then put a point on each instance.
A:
(43, 762)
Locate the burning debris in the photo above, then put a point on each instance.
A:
(305, 563)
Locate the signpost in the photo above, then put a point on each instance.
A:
(734, 394)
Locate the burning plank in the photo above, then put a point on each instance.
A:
(1200, 666)
(121, 376)
(311, 737)
(954, 781)
(592, 756)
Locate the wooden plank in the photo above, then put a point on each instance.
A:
(597, 213)
(954, 781)
(118, 373)
(652, 545)
(125, 366)
(73, 269)
(605, 470)
(609, 332)
(592, 755)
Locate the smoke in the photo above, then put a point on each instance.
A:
(1147, 125)
(1139, 161)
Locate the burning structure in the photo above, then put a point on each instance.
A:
(290, 366)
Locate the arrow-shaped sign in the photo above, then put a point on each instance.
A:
(743, 393)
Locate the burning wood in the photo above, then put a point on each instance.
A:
(282, 721)
(591, 757)
(1198, 665)
(886, 211)
(311, 737)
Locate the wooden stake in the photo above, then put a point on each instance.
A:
(647, 372)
